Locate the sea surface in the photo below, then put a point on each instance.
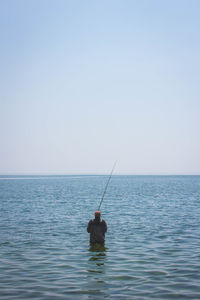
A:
(152, 248)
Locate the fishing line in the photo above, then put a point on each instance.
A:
(106, 186)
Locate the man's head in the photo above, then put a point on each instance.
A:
(97, 214)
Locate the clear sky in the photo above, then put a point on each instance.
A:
(84, 83)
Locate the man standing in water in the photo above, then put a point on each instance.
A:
(97, 229)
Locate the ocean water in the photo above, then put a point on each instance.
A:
(152, 248)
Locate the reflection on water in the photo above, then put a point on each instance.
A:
(97, 247)
(98, 255)
(96, 283)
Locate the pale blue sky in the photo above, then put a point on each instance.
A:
(83, 83)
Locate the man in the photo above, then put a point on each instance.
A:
(97, 229)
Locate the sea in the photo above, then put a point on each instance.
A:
(152, 247)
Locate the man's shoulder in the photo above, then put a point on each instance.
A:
(103, 221)
(91, 221)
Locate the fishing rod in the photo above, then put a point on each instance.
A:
(106, 186)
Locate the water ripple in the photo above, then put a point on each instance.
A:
(152, 245)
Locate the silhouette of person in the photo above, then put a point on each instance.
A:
(97, 229)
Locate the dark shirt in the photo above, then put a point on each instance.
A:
(97, 229)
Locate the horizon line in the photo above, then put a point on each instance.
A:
(100, 174)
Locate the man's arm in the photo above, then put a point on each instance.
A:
(89, 226)
(104, 225)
